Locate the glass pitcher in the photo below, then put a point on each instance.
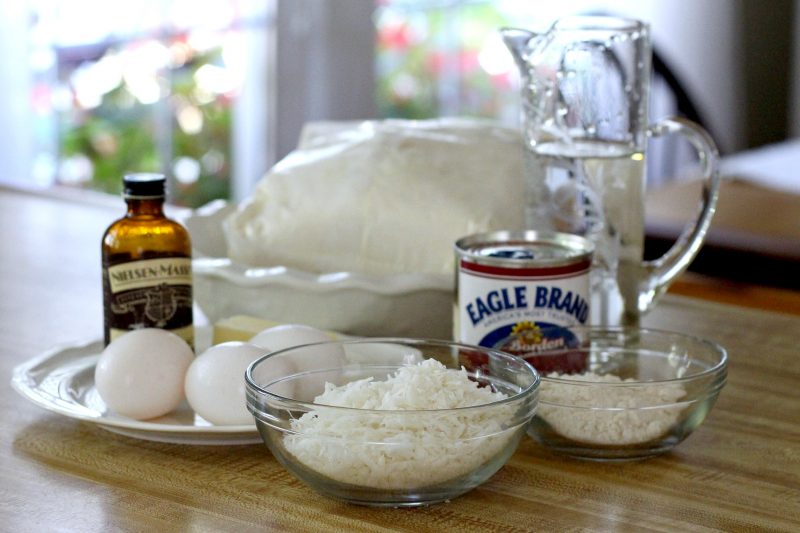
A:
(585, 86)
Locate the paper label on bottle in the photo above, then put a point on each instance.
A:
(152, 293)
(149, 272)
(186, 333)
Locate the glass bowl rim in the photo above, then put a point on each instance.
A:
(719, 367)
(254, 389)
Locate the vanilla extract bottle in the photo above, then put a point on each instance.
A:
(147, 265)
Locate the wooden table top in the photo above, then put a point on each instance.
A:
(740, 471)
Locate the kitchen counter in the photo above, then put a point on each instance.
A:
(739, 471)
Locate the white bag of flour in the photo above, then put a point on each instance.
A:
(381, 197)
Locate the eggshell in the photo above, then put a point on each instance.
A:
(288, 335)
(215, 386)
(327, 356)
(140, 374)
(383, 353)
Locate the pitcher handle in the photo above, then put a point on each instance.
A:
(659, 273)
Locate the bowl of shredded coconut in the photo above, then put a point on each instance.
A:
(392, 422)
(635, 393)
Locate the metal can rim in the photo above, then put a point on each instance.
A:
(579, 248)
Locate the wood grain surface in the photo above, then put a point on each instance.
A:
(737, 293)
(740, 471)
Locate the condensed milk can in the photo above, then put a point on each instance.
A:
(521, 287)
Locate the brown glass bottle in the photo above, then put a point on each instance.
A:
(147, 269)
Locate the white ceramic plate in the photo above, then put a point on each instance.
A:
(61, 380)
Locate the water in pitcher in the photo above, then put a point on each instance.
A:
(594, 189)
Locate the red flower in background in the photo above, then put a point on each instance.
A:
(41, 98)
(502, 80)
(397, 36)
(465, 61)
(435, 62)
(468, 61)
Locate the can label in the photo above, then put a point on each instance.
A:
(520, 291)
(497, 302)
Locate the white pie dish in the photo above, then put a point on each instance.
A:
(410, 305)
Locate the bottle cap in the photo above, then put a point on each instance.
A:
(144, 185)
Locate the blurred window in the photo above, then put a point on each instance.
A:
(446, 58)
(151, 85)
(213, 92)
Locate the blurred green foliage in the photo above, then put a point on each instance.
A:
(429, 53)
(122, 135)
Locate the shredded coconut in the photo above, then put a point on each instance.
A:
(623, 418)
(402, 450)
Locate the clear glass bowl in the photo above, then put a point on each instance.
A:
(617, 393)
(388, 457)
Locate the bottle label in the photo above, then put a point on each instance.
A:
(150, 272)
(152, 293)
(186, 333)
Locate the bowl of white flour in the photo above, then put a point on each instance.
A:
(622, 394)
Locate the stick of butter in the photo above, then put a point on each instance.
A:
(239, 328)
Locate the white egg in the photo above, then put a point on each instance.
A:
(383, 353)
(140, 374)
(215, 386)
(288, 335)
(329, 356)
